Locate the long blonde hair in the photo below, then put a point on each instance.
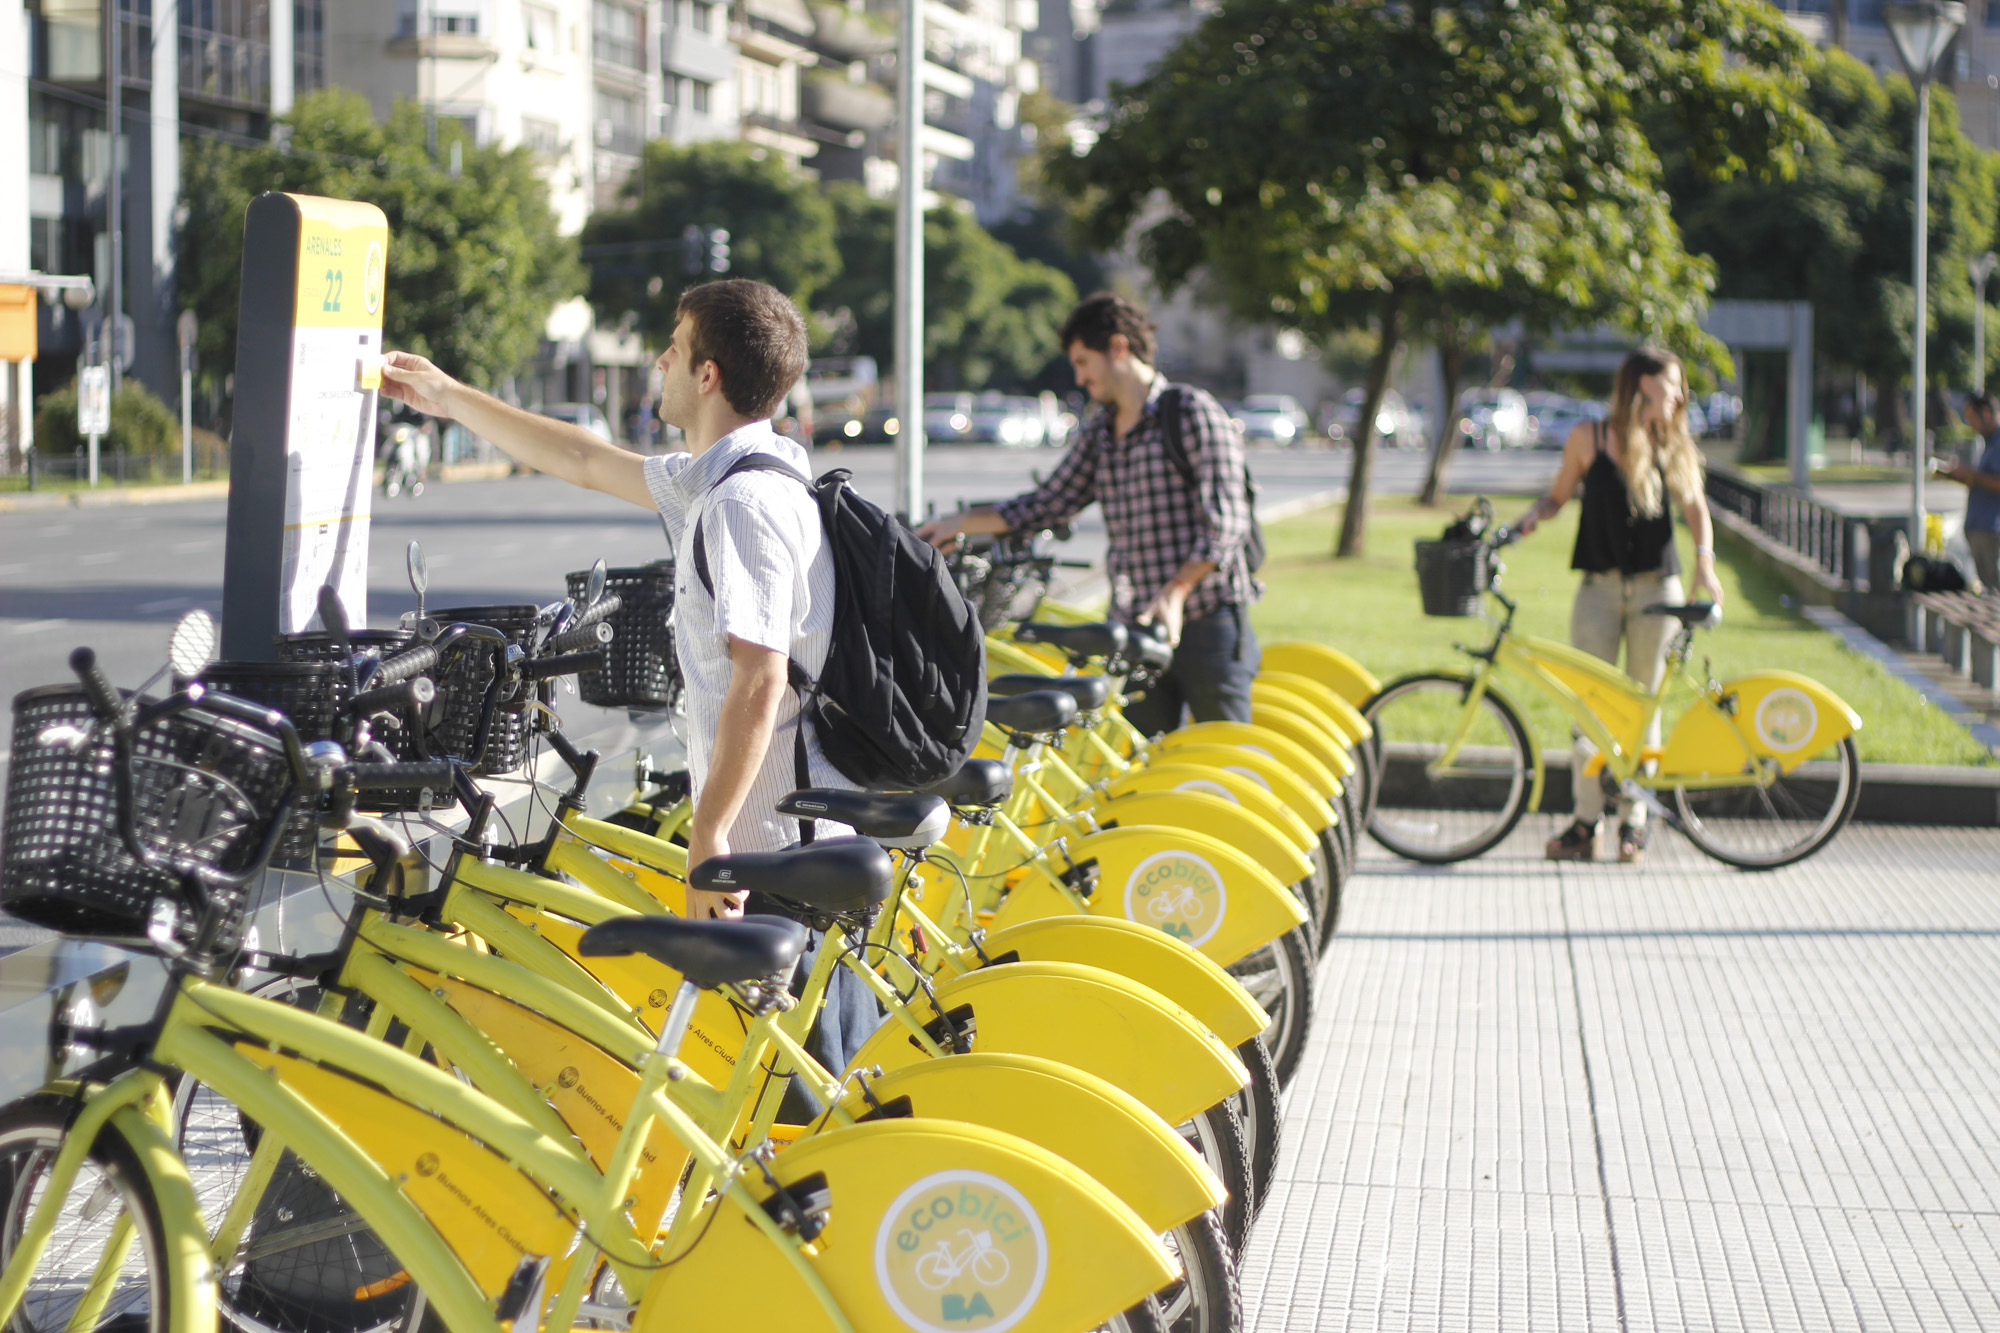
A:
(1646, 455)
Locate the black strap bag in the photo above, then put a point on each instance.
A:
(1171, 410)
(901, 699)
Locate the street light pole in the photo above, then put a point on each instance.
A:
(1980, 269)
(114, 213)
(910, 262)
(1921, 33)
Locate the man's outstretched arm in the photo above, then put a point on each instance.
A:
(544, 444)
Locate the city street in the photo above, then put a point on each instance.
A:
(116, 579)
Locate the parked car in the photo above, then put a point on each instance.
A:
(1494, 419)
(877, 425)
(1007, 419)
(1273, 416)
(586, 415)
(1399, 427)
(1556, 419)
(948, 417)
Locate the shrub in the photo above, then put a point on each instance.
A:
(141, 424)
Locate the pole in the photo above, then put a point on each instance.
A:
(114, 101)
(1920, 274)
(910, 262)
(1979, 337)
(187, 418)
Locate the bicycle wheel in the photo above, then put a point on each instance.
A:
(1263, 1119)
(1207, 1298)
(109, 1190)
(1216, 1135)
(1442, 815)
(1762, 828)
(1279, 976)
(1141, 1318)
(1331, 855)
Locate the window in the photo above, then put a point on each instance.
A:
(619, 127)
(670, 91)
(704, 16)
(699, 96)
(541, 136)
(454, 24)
(539, 24)
(615, 34)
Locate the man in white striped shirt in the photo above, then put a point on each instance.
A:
(738, 348)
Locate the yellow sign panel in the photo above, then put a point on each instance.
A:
(343, 260)
(17, 323)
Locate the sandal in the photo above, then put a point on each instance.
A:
(1578, 842)
(1631, 843)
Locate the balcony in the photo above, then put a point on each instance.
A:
(696, 55)
(834, 102)
(842, 34)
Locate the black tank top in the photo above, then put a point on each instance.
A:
(1609, 535)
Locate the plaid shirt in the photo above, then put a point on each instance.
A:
(1156, 524)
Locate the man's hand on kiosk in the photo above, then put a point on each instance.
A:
(415, 382)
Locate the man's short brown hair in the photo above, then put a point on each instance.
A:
(1098, 316)
(755, 336)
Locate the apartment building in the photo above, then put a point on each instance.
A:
(1972, 69)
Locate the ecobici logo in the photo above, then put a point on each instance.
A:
(1178, 892)
(961, 1250)
(1787, 719)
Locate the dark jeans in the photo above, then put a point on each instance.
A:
(850, 1016)
(1210, 678)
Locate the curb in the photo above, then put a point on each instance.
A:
(114, 497)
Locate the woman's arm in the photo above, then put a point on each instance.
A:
(1577, 450)
(1702, 524)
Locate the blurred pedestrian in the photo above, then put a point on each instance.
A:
(1631, 467)
(1982, 480)
(1178, 557)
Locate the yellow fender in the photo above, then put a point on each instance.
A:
(1106, 1133)
(1151, 957)
(1251, 736)
(912, 1200)
(1778, 715)
(1223, 784)
(1259, 767)
(1098, 1021)
(1194, 888)
(1004, 655)
(1217, 818)
(1293, 718)
(1329, 666)
(1337, 710)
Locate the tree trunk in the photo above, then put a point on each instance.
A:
(1354, 516)
(1451, 357)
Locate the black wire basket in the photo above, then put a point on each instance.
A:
(639, 669)
(311, 695)
(396, 733)
(204, 789)
(1451, 574)
(453, 724)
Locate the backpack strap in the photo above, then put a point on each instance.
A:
(799, 680)
(1172, 410)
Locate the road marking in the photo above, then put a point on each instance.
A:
(99, 558)
(167, 604)
(187, 548)
(34, 626)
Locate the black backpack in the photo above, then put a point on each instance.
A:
(901, 699)
(1171, 408)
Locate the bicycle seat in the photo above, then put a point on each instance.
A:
(707, 953)
(1694, 613)
(1042, 711)
(1098, 640)
(978, 783)
(893, 819)
(1090, 692)
(832, 875)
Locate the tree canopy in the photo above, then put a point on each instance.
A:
(476, 262)
(1330, 164)
(780, 225)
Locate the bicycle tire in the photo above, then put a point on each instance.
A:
(1208, 1298)
(1263, 1119)
(1279, 976)
(1703, 831)
(1479, 808)
(1367, 777)
(1339, 862)
(1216, 1135)
(31, 1133)
(1141, 1318)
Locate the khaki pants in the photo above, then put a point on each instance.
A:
(1609, 608)
(1986, 559)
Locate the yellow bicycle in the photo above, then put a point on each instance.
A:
(1759, 771)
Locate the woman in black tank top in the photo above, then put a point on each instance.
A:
(1634, 469)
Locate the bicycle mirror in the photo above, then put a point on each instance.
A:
(420, 574)
(191, 647)
(598, 576)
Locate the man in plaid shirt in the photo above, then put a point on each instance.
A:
(1177, 553)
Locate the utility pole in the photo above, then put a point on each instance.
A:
(910, 262)
(1980, 269)
(114, 123)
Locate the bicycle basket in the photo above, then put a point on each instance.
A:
(453, 726)
(639, 669)
(1452, 574)
(204, 788)
(311, 695)
(395, 734)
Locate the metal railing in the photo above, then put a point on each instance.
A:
(1834, 540)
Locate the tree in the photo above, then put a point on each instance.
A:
(990, 317)
(1343, 163)
(780, 225)
(1838, 235)
(475, 259)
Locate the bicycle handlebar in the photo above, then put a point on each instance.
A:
(104, 700)
(405, 697)
(408, 776)
(597, 634)
(543, 668)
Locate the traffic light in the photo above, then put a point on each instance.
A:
(718, 251)
(691, 243)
